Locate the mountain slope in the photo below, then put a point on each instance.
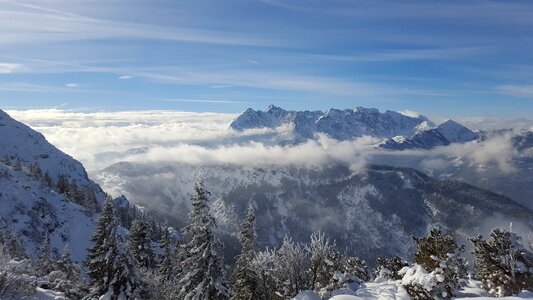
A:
(18, 141)
(374, 212)
(32, 211)
(455, 132)
(33, 205)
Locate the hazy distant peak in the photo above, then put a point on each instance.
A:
(455, 132)
(341, 124)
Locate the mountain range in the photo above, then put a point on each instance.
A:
(397, 131)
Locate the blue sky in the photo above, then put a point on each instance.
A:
(435, 57)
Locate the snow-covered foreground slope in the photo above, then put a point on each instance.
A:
(33, 207)
(372, 211)
(33, 210)
(393, 290)
(20, 141)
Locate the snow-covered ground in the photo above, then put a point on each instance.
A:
(392, 290)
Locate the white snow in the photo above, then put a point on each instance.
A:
(307, 295)
(393, 290)
(42, 294)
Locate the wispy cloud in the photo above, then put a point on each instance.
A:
(125, 77)
(30, 87)
(7, 68)
(517, 90)
(219, 101)
(61, 25)
(253, 62)
(500, 12)
(72, 85)
(407, 54)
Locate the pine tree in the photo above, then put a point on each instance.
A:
(35, 170)
(110, 265)
(141, 243)
(45, 263)
(14, 245)
(6, 160)
(202, 275)
(74, 193)
(3, 231)
(62, 184)
(167, 260)
(67, 277)
(18, 164)
(10, 242)
(89, 199)
(244, 282)
(388, 268)
(502, 264)
(47, 179)
(440, 254)
(65, 263)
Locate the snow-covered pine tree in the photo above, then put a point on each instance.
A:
(47, 179)
(89, 199)
(388, 268)
(110, 264)
(141, 243)
(67, 277)
(18, 164)
(11, 242)
(244, 282)
(440, 255)
(202, 275)
(15, 279)
(62, 184)
(35, 170)
(13, 245)
(45, 264)
(503, 265)
(167, 260)
(64, 263)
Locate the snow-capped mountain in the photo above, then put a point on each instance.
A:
(31, 203)
(371, 212)
(455, 132)
(339, 124)
(446, 133)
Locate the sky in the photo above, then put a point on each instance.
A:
(453, 58)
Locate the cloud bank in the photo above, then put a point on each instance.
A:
(99, 139)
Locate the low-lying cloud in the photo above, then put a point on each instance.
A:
(99, 139)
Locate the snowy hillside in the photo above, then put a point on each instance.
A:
(33, 211)
(43, 191)
(19, 141)
(374, 211)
